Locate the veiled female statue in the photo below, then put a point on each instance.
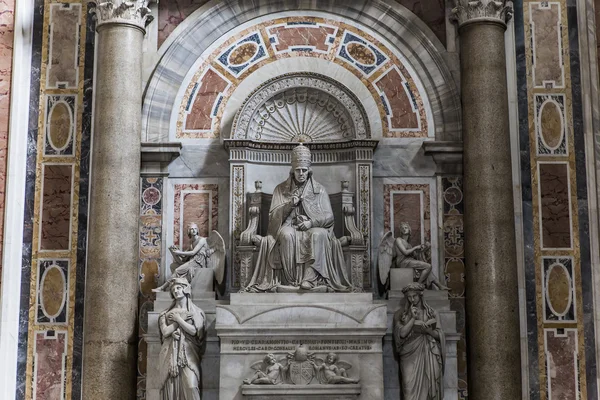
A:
(300, 249)
(182, 334)
(419, 342)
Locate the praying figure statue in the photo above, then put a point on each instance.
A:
(420, 345)
(182, 335)
(300, 249)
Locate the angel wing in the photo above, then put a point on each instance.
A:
(385, 256)
(216, 261)
(344, 364)
(258, 366)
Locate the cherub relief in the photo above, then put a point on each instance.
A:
(332, 370)
(269, 371)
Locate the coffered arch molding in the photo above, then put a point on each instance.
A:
(387, 18)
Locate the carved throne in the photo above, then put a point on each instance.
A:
(329, 119)
(344, 212)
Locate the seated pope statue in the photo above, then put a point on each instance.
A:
(300, 249)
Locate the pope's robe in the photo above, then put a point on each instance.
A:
(290, 256)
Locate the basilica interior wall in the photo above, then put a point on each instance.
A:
(212, 80)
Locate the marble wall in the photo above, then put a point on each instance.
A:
(7, 8)
(558, 268)
(172, 13)
(56, 202)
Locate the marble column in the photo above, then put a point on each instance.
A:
(110, 329)
(490, 252)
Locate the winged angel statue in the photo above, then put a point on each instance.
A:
(398, 253)
(202, 253)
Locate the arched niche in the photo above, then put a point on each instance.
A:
(402, 31)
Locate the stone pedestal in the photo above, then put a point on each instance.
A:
(253, 325)
(210, 360)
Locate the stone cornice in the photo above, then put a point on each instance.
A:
(134, 13)
(466, 11)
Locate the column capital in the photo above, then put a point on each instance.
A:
(466, 11)
(134, 13)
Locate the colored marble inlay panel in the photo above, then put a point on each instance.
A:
(308, 36)
(209, 90)
(562, 364)
(555, 205)
(7, 17)
(151, 209)
(400, 109)
(50, 365)
(53, 291)
(60, 125)
(63, 46)
(238, 180)
(545, 20)
(550, 124)
(454, 267)
(55, 226)
(408, 203)
(559, 289)
(194, 203)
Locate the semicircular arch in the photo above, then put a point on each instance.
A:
(187, 46)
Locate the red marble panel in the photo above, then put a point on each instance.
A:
(200, 116)
(562, 363)
(171, 13)
(198, 203)
(7, 17)
(63, 49)
(555, 205)
(401, 115)
(302, 36)
(401, 202)
(407, 208)
(50, 357)
(55, 226)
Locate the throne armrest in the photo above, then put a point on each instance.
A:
(255, 200)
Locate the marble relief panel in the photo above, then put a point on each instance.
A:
(63, 46)
(55, 224)
(402, 109)
(7, 17)
(50, 349)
